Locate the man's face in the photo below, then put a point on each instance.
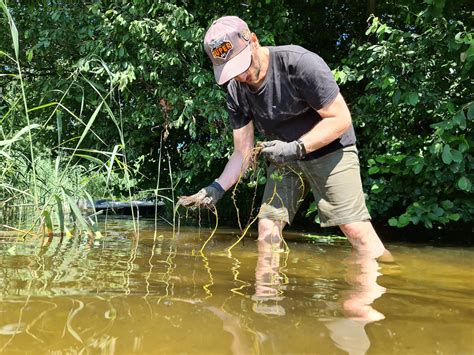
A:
(252, 75)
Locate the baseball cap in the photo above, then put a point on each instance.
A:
(227, 43)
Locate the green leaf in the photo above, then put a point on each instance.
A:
(2, 53)
(89, 124)
(447, 156)
(374, 170)
(470, 111)
(438, 211)
(447, 204)
(13, 31)
(76, 212)
(460, 119)
(59, 124)
(60, 213)
(396, 97)
(377, 188)
(436, 148)
(403, 220)
(418, 168)
(111, 162)
(276, 176)
(411, 161)
(457, 155)
(412, 98)
(17, 135)
(89, 157)
(313, 207)
(392, 222)
(464, 184)
(48, 221)
(42, 106)
(454, 216)
(29, 55)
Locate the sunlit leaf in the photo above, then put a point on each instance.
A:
(374, 170)
(464, 183)
(393, 222)
(42, 106)
(446, 156)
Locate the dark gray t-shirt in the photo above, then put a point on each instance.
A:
(298, 82)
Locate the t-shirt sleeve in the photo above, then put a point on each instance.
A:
(237, 117)
(314, 81)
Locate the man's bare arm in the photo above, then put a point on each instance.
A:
(240, 158)
(336, 119)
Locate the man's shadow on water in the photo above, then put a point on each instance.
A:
(347, 332)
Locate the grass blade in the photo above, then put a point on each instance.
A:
(89, 157)
(17, 136)
(60, 212)
(13, 30)
(77, 214)
(111, 162)
(48, 222)
(42, 106)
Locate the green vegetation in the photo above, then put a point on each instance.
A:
(414, 111)
(83, 84)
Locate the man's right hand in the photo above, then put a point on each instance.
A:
(206, 197)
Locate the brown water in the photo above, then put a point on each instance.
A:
(157, 296)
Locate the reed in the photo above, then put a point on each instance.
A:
(42, 184)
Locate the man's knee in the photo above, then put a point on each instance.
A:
(363, 238)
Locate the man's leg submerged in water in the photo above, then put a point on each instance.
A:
(270, 233)
(361, 235)
(365, 241)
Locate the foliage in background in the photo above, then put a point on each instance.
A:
(143, 64)
(414, 111)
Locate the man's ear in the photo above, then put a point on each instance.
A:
(254, 40)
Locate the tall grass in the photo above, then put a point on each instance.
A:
(42, 184)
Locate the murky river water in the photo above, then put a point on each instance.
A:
(157, 296)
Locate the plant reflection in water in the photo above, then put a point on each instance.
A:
(149, 295)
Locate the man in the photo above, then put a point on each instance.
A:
(290, 95)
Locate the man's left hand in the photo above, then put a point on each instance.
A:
(280, 152)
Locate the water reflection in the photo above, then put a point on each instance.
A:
(348, 332)
(269, 281)
(157, 296)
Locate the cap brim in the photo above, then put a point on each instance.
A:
(237, 65)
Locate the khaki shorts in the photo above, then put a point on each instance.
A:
(336, 184)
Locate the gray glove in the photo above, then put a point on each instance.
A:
(279, 152)
(206, 197)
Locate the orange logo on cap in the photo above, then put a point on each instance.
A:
(222, 50)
